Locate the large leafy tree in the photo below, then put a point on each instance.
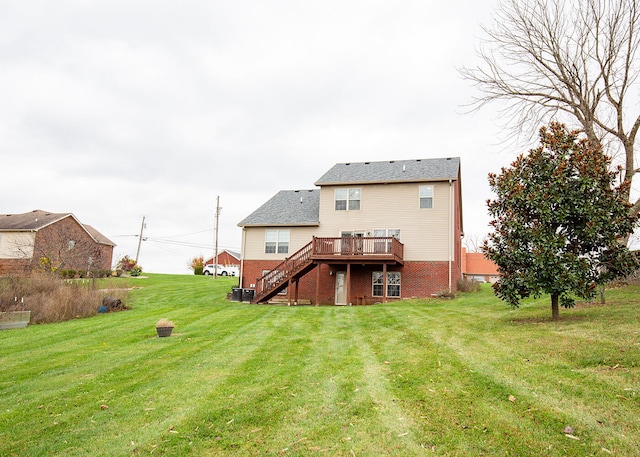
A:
(558, 218)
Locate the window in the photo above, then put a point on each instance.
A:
(71, 245)
(347, 199)
(276, 241)
(426, 196)
(383, 245)
(393, 284)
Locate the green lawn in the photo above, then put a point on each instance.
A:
(461, 377)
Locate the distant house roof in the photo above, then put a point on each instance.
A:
(233, 253)
(34, 220)
(99, 237)
(287, 208)
(391, 171)
(38, 219)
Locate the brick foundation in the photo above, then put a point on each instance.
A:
(418, 280)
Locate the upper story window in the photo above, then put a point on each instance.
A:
(71, 245)
(426, 196)
(347, 199)
(387, 232)
(276, 241)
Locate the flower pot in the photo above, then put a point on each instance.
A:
(164, 331)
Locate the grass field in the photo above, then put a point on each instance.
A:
(461, 377)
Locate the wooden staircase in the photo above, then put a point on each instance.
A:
(292, 268)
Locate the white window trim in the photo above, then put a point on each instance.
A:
(348, 200)
(420, 197)
(278, 241)
(373, 284)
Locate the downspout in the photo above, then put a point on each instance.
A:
(449, 233)
(242, 249)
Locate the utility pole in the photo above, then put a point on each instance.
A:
(215, 252)
(142, 227)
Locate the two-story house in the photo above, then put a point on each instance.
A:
(370, 232)
(41, 239)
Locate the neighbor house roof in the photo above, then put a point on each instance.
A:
(38, 219)
(34, 220)
(99, 237)
(392, 171)
(234, 254)
(287, 207)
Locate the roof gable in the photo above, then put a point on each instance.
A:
(392, 171)
(38, 219)
(287, 207)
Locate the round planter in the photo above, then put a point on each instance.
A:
(164, 331)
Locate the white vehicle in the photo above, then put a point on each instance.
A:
(221, 270)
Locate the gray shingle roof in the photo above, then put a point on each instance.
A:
(38, 219)
(391, 171)
(34, 220)
(287, 207)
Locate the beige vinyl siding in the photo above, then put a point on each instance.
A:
(255, 240)
(425, 232)
(17, 245)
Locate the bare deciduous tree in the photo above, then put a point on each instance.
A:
(66, 246)
(474, 241)
(573, 61)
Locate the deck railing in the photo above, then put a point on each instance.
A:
(368, 246)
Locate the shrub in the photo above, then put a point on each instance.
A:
(126, 263)
(468, 285)
(53, 299)
(67, 274)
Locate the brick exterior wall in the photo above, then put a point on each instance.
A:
(224, 258)
(418, 280)
(14, 267)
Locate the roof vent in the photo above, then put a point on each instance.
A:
(404, 168)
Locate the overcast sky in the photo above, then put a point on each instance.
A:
(115, 110)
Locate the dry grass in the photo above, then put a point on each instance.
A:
(51, 299)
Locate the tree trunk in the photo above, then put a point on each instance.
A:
(555, 311)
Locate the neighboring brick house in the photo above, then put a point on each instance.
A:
(371, 232)
(55, 240)
(226, 258)
(477, 267)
